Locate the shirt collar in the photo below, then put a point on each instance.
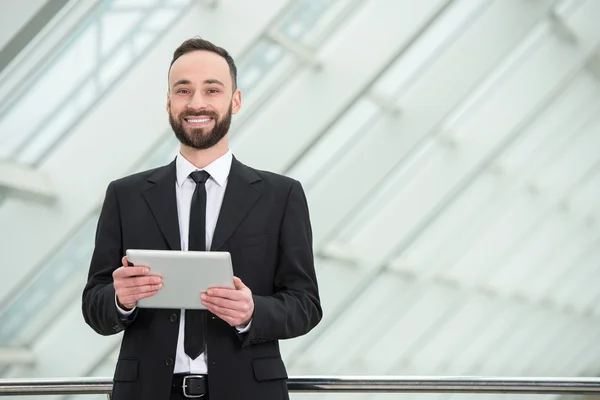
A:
(218, 169)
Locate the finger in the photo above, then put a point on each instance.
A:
(124, 261)
(238, 283)
(225, 293)
(221, 302)
(133, 281)
(138, 281)
(134, 298)
(135, 271)
(222, 312)
(130, 293)
(141, 289)
(143, 295)
(124, 272)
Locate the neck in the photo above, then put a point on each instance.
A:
(202, 158)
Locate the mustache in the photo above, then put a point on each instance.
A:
(207, 113)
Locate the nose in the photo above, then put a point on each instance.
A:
(197, 101)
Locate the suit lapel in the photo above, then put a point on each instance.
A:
(162, 200)
(240, 195)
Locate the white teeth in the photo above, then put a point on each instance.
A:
(196, 121)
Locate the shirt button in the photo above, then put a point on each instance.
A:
(213, 317)
(173, 317)
(169, 362)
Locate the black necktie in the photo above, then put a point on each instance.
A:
(195, 320)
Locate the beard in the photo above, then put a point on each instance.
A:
(200, 138)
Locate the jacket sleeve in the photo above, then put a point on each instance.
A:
(294, 308)
(98, 302)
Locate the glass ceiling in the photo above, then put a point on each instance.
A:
(451, 167)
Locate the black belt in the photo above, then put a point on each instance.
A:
(190, 386)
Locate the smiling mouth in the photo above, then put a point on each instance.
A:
(198, 122)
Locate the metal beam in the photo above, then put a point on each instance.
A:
(15, 355)
(344, 384)
(387, 103)
(561, 27)
(33, 27)
(304, 53)
(593, 65)
(25, 182)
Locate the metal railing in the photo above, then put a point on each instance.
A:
(345, 384)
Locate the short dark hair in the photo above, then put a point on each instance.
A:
(197, 43)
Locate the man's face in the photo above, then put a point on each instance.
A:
(201, 99)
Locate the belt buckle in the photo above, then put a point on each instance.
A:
(184, 385)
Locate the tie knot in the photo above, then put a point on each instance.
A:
(199, 176)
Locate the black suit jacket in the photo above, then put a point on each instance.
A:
(264, 224)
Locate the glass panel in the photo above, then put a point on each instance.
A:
(540, 277)
(303, 15)
(441, 245)
(127, 4)
(53, 129)
(588, 194)
(38, 303)
(400, 176)
(575, 162)
(354, 123)
(329, 353)
(576, 290)
(114, 65)
(115, 28)
(547, 140)
(160, 18)
(531, 249)
(26, 115)
(266, 65)
(333, 297)
(142, 41)
(86, 96)
(430, 45)
(408, 332)
(331, 17)
(259, 61)
(457, 333)
(109, 35)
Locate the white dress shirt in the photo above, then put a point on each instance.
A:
(184, 189)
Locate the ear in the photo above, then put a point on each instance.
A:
(236, 101)
(168, 102)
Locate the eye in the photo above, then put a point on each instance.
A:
(213, 91)
(183, 91)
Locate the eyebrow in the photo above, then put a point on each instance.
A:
(206, 82)
(182, 82)
(213, 81)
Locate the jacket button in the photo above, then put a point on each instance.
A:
(173, 317)
(169, 362)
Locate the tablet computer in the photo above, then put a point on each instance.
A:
(185, 275)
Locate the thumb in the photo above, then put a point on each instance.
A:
(124, 261)
(238, 283)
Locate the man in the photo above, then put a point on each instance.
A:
(204, 200)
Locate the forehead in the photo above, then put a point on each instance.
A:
(199, 65)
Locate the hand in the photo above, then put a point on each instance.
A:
(234, 306)
(134, 283)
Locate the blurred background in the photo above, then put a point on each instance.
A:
(450, 151)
